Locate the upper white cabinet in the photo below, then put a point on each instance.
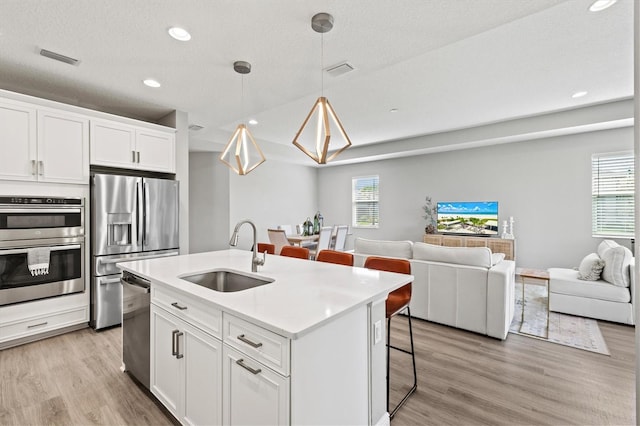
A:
(115, 144)
(63, 147)
(43, 145)
(18, 141)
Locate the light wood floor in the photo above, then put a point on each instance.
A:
(463, 379)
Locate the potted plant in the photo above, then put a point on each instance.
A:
(430, 215)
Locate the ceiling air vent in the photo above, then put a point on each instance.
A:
(59, 57)
(195, 127)
(340, 69)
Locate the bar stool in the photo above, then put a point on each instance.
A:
(338, 257)
(294, 251)
(397, 301)
(266, 247)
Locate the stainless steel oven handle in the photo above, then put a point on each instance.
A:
(25, 250)
(41, 210)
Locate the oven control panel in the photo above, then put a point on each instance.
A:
(35, 201)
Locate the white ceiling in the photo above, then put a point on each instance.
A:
(444, 64)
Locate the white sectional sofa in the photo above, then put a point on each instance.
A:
(464, 287)
(609, 298)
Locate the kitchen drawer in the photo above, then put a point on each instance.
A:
(41, 323)
(261, 344)
(189, 308)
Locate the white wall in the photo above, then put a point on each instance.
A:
(180, 121)
(544, 184)
(273, 194)
(209, 202)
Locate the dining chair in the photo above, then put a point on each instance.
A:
(286, 228)
(278, 238)
(266, 248)
(397, 301)
(324, 239)
(337, 257)
(295, 251)
(341, 237)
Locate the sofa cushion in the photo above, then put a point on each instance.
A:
(402, 249)
(591, 267)
(616, 264)
(472, 256)
(566, 281)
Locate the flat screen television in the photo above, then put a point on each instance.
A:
(468, 217)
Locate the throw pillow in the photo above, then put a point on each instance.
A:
(616, 266)
(604, 246)
(590, 268)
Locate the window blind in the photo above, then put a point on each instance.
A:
(612, 194)
(365, 201)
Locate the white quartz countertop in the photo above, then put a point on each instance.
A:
(304, 295)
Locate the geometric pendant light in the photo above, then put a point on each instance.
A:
(242, 154)
(322, 129)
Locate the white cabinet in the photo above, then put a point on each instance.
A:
(253, 394)
(185, 369)
(43, 145)
(18, 141)
(63, 147)
(116, 144)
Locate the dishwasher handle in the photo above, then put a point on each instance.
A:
(136, 281)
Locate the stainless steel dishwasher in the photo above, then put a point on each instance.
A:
(136, 304)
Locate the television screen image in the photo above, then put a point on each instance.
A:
(468, 217)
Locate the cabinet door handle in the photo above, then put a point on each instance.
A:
(34, 168)
(37, 325)
(174, 352)
(41, 167)
(133, 156)
(138, 155)
(178, 306)
(249, 342)
(241, 363)
(178, 354)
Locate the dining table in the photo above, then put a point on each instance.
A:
(301, 240)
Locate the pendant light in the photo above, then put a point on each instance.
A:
(322, 128)
(242, 154)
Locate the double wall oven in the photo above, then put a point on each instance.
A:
(42, 248)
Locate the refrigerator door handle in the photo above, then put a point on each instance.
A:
(147, 208)
(139, 203)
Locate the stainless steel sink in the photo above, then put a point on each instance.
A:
(226, 281)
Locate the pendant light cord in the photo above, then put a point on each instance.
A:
(242, 99)
(321, 64)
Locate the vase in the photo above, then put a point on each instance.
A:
(430, 229)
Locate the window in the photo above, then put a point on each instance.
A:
(612, 200)
(365, 201)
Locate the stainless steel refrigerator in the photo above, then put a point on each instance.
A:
(131, 218)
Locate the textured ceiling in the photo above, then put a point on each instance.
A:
(443, 64)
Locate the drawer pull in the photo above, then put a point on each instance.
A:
(249, 342)
(177, 305)
(241, 363)
(38, 325)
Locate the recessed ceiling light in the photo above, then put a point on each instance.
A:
(179, 34)
(151, 83)
(599, 5)
(253, 122)
(579, 94)
(393, 110)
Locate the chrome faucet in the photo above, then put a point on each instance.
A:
(255, 261)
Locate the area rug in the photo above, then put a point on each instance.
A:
(568, 330)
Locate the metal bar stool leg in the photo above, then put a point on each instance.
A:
(413, 359)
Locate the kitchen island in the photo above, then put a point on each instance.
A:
(307, 347)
